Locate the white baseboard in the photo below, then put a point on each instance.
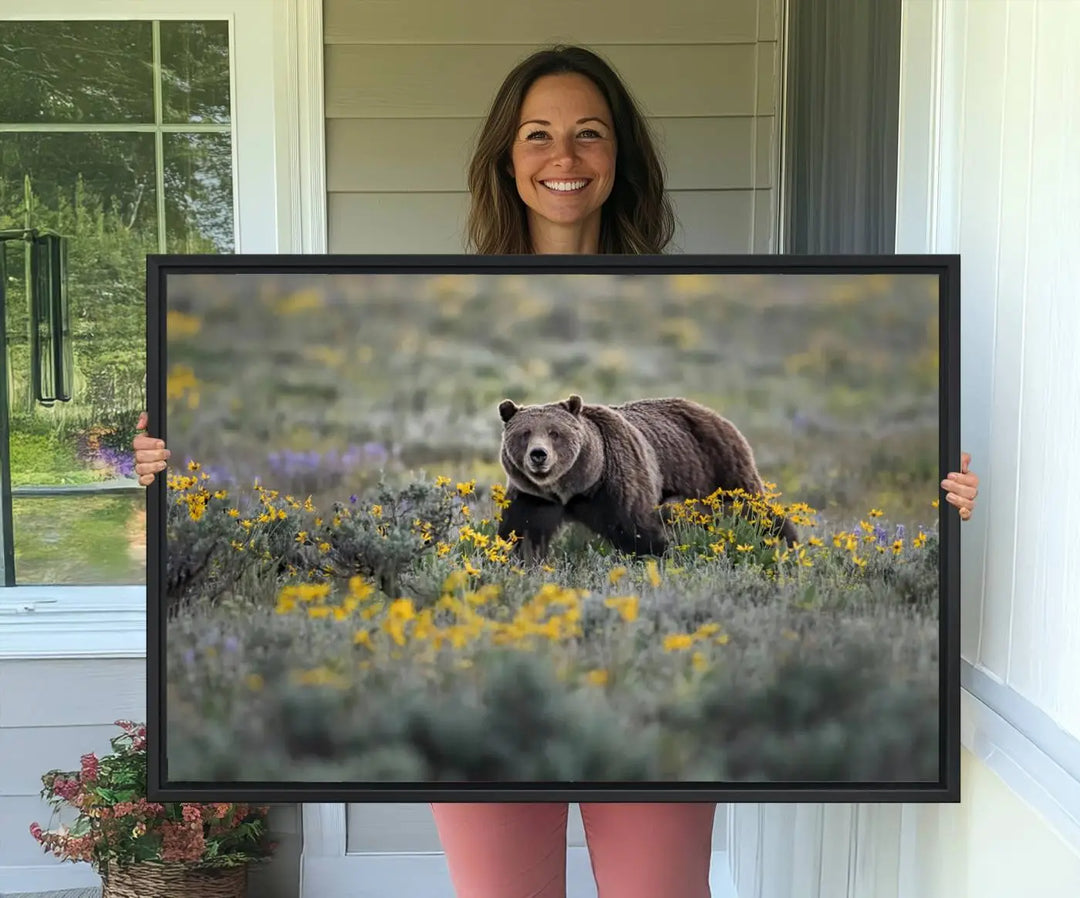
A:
(425, 876)
(354, 876)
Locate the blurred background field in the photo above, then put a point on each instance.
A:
(318, 383)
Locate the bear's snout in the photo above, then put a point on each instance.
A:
(539, 458)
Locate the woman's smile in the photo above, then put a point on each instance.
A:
(568, 187)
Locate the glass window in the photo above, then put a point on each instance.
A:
(117, 135)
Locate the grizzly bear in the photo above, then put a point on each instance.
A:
(610, 468)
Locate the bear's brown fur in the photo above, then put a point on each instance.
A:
(609, 467)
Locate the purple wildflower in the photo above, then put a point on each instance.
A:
(118, 463)
(220, 475)
(375, 452)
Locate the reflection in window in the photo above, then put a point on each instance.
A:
(117, 135)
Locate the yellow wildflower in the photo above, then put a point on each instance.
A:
(597, 677)
(677, 642)
(360, 588)
(627, 606)
(455, 580)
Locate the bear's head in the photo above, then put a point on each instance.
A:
(542, 442)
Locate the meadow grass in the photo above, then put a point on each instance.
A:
(394, 637)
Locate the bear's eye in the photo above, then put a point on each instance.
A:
(554, 434)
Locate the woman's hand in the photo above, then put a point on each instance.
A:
(150, 453)
(961, 487)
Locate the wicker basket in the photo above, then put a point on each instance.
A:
(171, 880)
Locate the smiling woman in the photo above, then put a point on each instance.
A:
(562, 117)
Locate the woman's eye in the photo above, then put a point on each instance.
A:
(535, 134)
(589, 133)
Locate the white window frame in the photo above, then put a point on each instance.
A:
(276, 61)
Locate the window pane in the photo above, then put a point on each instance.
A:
(79, 177)
(98, 190)
(198, 193)
(86, 540)
(84, 72)
(195, 72)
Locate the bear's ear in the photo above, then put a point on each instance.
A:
(507, 409)
(572, 405)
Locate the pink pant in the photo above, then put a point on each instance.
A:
(648, 850)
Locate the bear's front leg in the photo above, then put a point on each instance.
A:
(638, 538)
(534, 520)
(640, 533)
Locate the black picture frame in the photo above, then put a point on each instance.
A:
(947, 270)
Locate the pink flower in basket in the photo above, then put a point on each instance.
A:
(117, 828)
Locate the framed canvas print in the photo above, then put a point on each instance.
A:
(554, 528)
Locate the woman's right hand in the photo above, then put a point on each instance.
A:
(150, 453)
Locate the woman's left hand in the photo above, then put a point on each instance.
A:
(961, 487)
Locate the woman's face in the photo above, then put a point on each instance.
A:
(563, 155)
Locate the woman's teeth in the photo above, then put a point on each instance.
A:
(564, 186)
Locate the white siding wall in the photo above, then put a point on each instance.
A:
(52, 712)
(407, 86)
(989, 137)
(1009, 202)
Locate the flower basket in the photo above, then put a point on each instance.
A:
(146, 849)
(172, 880)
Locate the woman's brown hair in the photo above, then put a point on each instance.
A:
(637, 217)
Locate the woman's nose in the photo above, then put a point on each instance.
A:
(564, 149)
